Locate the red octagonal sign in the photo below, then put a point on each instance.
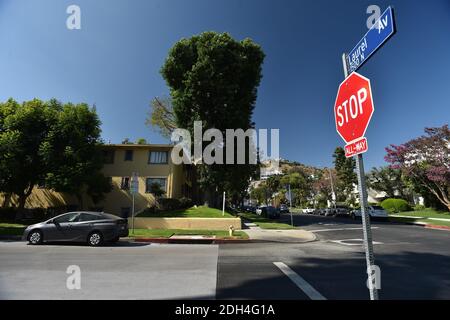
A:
(353, 107)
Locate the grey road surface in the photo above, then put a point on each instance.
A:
(125, 271)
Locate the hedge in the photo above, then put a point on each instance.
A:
(395, 205)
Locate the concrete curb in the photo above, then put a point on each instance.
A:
(191, 241)
(436, 227)
(423, 225)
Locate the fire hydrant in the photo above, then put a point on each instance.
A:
(230, 230)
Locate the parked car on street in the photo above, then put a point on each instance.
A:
(94, 228)
(328, 212)
(341, 211)
(308, 211)
(376, 212)
(268, 212)
(284, 209)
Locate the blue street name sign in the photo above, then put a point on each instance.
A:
(380, 32)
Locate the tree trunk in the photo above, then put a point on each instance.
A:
(7, 200)
(80, 201)
(22, 200)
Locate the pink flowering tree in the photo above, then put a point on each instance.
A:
(426, 160)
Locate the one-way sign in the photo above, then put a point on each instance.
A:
(380, 32)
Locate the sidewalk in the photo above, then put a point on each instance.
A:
(291, 235)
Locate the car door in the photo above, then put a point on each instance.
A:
(85, 225)
(64, 227)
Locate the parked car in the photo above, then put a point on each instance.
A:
(268, 212)
(341, 211)
(308, 211)
(94, 228)
(328, 212)
(284, 209)
(376, 212)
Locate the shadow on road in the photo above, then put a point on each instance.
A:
(406, 275)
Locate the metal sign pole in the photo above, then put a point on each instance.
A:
(368, 245)
(290, 204)
(223, 204)
(132, 214)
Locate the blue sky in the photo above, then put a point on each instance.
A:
(114, 62)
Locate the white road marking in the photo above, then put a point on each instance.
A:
(312, 293)
(359, 242)
(338, 229)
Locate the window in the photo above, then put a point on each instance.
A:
(125, 212)
(90, 217)
(108, 156)
(157, 157)
(125, 183)
(128, 155)
(150, 181)
(69, 217)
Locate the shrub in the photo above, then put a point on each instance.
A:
(419, 207)
(185, 203)
(8, 214)
(168, 204)
(395, 205)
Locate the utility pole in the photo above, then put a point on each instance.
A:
(333, 195)
(367, 231)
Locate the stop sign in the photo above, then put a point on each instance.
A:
(353, 107)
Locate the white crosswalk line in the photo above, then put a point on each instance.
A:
(338, 229)
(312, 293)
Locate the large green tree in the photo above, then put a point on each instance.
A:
(72, 153)
(214, 78)
(346, 176)
(51, 143)
(24, 130)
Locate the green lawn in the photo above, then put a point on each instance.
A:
(11, 229)
(166, 233)
(194, 212)
(265, 223)
(423, 216)
(427, 213)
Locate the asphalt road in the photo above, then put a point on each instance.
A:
(414, 262)
(123, 271)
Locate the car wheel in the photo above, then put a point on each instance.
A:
(35, 237)
(95, 239)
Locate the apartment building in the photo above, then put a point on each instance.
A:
(151, 163)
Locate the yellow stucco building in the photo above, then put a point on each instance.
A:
(151, 163)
